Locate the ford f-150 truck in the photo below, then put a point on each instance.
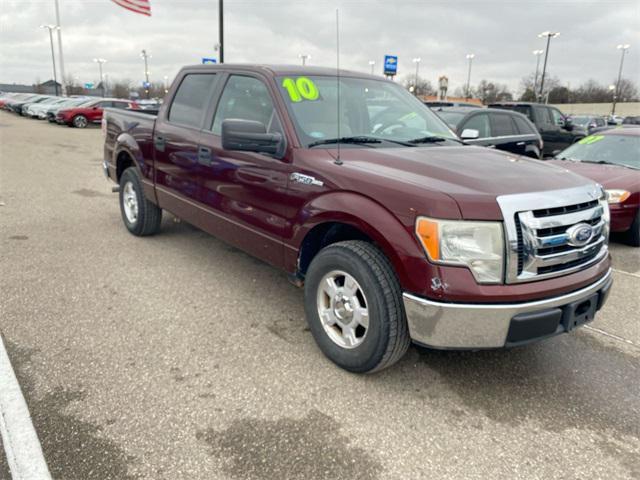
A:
(397, 230)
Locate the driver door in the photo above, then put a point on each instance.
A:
(247, 191)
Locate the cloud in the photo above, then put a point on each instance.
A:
(502, 35)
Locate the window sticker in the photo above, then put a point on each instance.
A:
(591, 139)
(302, 88)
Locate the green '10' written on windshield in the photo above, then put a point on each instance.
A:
(302, 88)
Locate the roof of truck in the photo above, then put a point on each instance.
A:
(285, 69)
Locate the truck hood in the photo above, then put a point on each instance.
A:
(609, 176)
(472, 176)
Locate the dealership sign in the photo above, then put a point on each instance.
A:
(390, 65)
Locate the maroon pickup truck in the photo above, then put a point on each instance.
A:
(397, 230)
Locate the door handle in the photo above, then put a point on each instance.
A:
(204, 156)
(520, 144)
(159, 143)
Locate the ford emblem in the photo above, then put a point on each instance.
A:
(580, 234)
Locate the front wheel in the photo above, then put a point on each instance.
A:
(80, 121)
(354, 307)
(140, 216)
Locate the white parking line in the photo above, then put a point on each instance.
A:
(21, 444)
(626, 273)
(610, 335)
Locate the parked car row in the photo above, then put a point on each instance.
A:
(75, 111)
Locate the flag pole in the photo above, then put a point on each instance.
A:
(62, 77)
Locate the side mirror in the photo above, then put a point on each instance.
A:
(250, 136)
(470, 134)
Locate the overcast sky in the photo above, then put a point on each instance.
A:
(501, 34)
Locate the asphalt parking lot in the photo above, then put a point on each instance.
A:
(178, 356)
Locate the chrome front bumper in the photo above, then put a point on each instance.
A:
(473, 326)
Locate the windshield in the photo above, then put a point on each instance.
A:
(368, 108)
(452, 118)
(615, 149)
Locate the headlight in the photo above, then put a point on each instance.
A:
(476, 245)
(617, 196)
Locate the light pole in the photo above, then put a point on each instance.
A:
(221, 29)
(62, 80)
(537, 53)
(145, 56)
(304, 57)
(417, 61)
(51, 28)
(372, 64)
(549, 36)
(100, 62)
(470, 57)
(616, 95)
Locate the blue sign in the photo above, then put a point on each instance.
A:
(209, 60)
(390, 64)
(146, 84)
(89, 85)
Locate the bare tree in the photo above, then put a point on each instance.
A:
(121, 88)
(424, 86)
(490, 92)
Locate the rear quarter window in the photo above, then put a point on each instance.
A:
(502, 126)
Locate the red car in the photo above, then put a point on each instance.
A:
(612, 158)
(83, 115)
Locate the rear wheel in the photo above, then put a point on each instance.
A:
(354, 307)
(633, 235)
(80, 121)
(140, 216)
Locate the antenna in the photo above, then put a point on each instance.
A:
(338, 161)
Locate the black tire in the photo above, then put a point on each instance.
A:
(633, 235)
(149, 216)
(79, 121)
(387, 336)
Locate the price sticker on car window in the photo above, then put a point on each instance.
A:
(591, 139)
(300, 89)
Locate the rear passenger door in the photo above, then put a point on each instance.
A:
(505, 135)
(176, 138)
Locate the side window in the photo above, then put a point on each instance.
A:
(558, 118)
(542, 116)
(190, 102)
(525, 110)
(246, 98)
(523, 127)
(599, 122)
(105, 104)
(121, 105)
(480, 123)
(502, 125)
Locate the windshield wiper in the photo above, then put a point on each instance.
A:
(361, 139)
(430, 139)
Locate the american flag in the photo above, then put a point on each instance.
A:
(137, 6)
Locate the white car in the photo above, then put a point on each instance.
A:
(39, 110)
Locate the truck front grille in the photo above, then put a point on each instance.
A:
(553, 239)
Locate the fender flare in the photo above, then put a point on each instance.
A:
(394, 238)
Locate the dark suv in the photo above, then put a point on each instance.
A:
(493, 128)
(555, 128)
